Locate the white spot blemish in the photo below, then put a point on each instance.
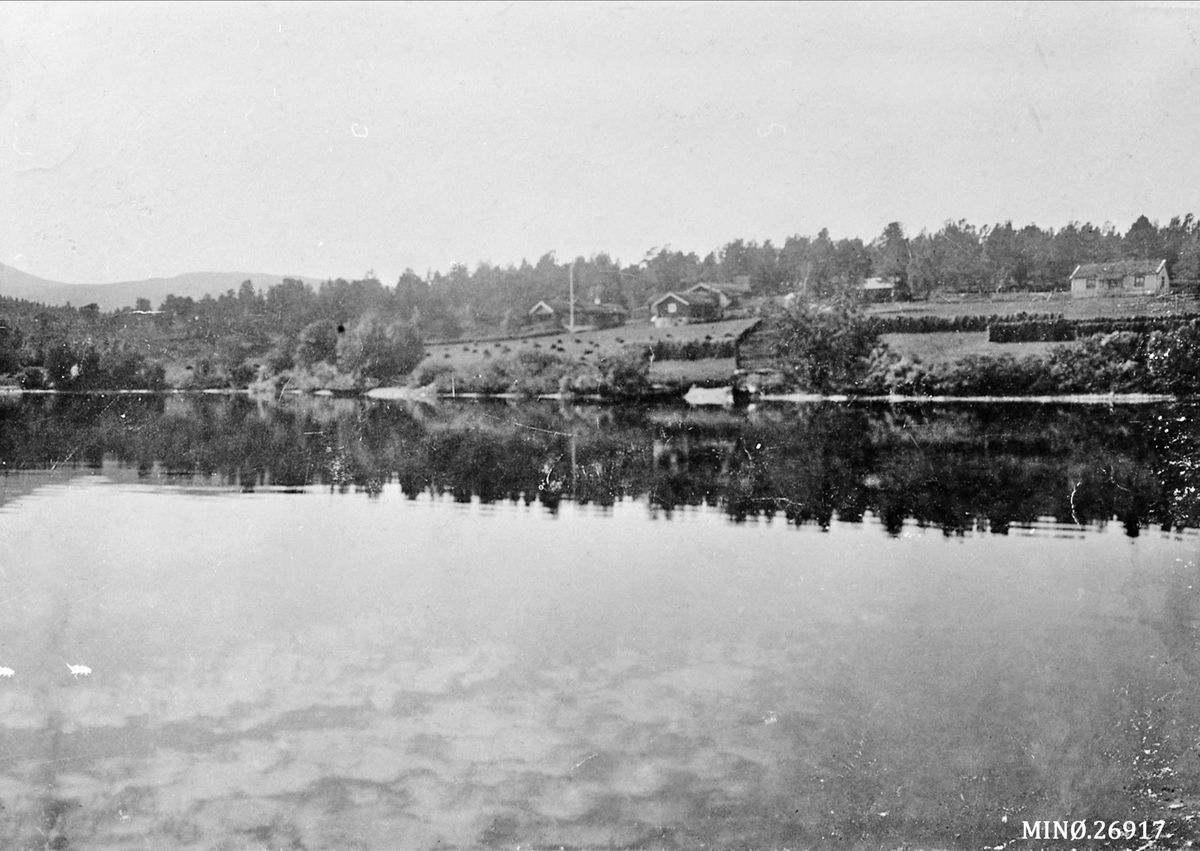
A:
(77, 671)
(770, 130)
(7, 673)
(358, 131)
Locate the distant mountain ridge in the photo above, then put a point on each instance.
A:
(18, 284)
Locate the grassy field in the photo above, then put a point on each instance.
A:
(710, 371)
(944, 347)
(1061, 303)
(588, 347)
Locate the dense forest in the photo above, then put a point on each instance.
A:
(356, 332)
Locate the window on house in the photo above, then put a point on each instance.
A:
(1091, 283)
(672, 307)
(1140, 280)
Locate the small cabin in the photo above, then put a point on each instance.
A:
(879, 289)
(1120, 277)
(542, 312)
(683, 308)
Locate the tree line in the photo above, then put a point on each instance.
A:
(363, 330)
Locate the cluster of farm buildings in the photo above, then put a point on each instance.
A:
(705, 302)
(710, 302)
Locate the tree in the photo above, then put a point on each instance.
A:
(377, 351)
(766, 275)
(736, 259)
(1142, 240)
(823, 347)
(142, 305)
(318, 342)
(11, 341)
(890, 254)
(924, 266)
(850, 265)
(1187, 267)
(1175, 237)
(250, 300)
(961, 256)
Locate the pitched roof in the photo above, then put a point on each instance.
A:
(699, 297)
(557, 306)
(1118, 268)
(727, 287)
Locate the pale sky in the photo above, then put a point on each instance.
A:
(328, 139)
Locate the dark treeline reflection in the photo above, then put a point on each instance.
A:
(957, 468)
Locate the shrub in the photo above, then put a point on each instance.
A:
(431, 373)
(626, 374)
(823, 348)
(1173, 358)
(317, 342)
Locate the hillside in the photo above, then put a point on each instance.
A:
(18, 284)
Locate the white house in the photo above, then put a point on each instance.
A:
(1120, 277)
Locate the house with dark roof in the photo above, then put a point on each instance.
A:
(682, 308)
(728, 294)
(1120, 277)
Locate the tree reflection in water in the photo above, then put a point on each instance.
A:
(957, 468)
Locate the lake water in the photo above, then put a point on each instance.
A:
(335, 624)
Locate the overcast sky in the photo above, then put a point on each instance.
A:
(326, 140)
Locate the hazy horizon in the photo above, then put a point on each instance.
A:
(156, 140)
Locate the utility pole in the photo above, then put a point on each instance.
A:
(571, 271)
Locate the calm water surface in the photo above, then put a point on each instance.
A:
(360, 626)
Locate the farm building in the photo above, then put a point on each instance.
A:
(544, 311)
(879, 289)
(1120, 277)
(593, 315)
(681, 308)
(727, 294)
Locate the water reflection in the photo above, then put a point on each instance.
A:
(474, 629)
(329, 671)
(985, 467)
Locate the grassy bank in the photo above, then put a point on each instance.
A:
(947, 347)
(580, 360)
(1060, 303)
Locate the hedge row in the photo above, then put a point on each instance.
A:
(936, 324)
(1035, 331)
(1063, 330)
(692, 349)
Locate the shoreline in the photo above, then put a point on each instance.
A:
(405, 394)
